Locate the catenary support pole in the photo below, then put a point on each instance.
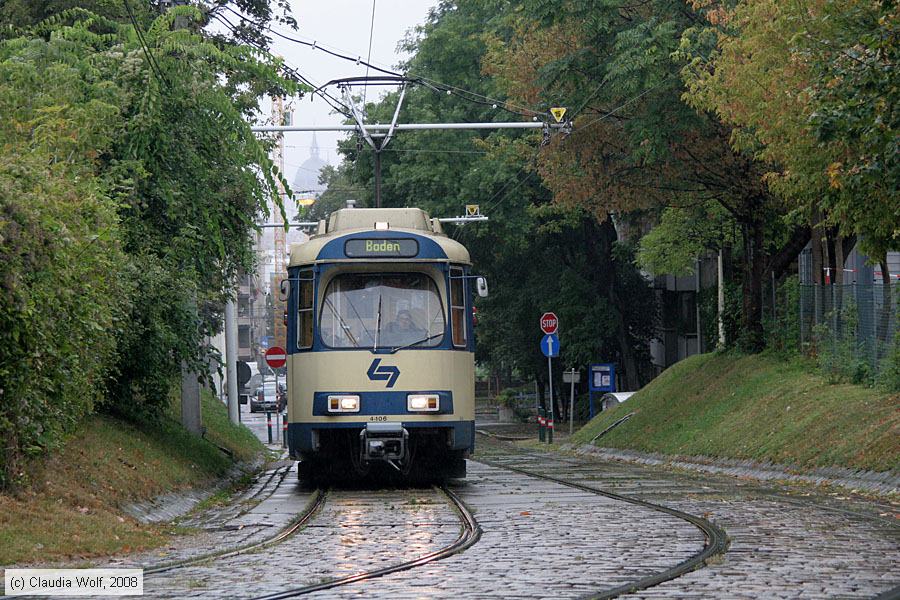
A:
(377, 178)
(190, 400)
(572, 403)
(697, 308)
(231, 357)
(720, 276)
(191, 418)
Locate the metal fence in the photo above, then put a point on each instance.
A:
(856, 322)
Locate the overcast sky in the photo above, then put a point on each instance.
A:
(343, 26)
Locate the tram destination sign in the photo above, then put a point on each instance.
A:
(381, 248)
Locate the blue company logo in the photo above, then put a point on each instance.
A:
(389, 374)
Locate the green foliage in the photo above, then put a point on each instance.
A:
(127, 199)
(731, 316)
(783, 327)
(855, 48)
(889, 373)
(840, 353)
(811, 90)
(60, 261)
(682, 235)
(756, 407)
(536, 256)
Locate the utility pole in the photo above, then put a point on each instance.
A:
(231, 356)
(190, 400)
(190, 387)
(378, 177)
(721, 298)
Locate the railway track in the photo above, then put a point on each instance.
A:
(296, 524)
(716, 539)
(469, 535)
(356, 532)
(470, 532)
(887, 517)
(768, 510)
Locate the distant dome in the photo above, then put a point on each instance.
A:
(306, 179)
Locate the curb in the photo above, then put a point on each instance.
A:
(881, 483)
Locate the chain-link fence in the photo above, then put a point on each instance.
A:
(851, 328)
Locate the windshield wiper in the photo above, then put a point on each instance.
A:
(343, 325)
(377, 324)
(417, 342)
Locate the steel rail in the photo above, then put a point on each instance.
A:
(280, 473)
(716, 539)
(313, 507)
(763, 490)
(470, 534)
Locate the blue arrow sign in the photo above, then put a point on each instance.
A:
(550, 345)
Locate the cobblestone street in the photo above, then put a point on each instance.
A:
(784, 543)
(540, 538)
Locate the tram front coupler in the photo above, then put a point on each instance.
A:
(385, 441)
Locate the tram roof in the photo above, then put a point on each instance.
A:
(351, 221)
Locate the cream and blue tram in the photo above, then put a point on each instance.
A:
(380, 347)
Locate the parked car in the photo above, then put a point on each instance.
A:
(266, 398)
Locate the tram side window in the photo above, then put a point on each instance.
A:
(458, 306)
(305, 309)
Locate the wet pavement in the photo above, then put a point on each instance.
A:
(541, 539)
(784, 542)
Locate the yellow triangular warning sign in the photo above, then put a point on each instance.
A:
(473, 210)
(558, 113)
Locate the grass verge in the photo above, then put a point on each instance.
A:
(756, 407)
(72, 508)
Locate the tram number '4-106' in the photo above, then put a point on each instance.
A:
(378, 418)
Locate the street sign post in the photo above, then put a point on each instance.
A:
(571, 377)
(550, 348)
(276, 357)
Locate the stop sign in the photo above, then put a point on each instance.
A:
(276, 357)
(549, 323)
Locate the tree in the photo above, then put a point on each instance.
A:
(810, 89)
(121, 209)
(532, 253)
(636, 144)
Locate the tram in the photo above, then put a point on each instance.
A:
(380, 356)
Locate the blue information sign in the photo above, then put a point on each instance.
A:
(550, 345)
(602, 378)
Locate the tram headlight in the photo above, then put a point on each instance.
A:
(423, 402)
(337, 404)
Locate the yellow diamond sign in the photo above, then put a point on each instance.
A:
(558, 113)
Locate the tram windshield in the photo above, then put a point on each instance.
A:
(387, 310)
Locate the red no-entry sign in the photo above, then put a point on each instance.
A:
(549, 323)
(276, 357)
